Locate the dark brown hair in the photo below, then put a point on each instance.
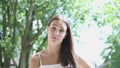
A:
(66, 56)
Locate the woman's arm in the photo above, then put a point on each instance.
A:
(34, 61)
(82, 63)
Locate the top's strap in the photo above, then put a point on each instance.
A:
(40, 59)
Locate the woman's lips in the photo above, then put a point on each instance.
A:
(54, 38)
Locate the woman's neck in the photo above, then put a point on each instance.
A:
(53, 49)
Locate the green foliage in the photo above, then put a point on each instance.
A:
(109, 14)
(112, 52)
(6, 46)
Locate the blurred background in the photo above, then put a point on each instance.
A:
(95, 27)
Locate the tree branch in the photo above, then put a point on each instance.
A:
(28, 21)
(14, 62)
(34, 37)
(42, 44)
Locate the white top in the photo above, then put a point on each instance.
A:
(49, 66)
(52, 66)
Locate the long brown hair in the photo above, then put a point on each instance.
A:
(66, 56)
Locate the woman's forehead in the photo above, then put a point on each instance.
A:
(59, 23)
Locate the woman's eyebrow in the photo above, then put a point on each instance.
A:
(54, 24)
(62, 27)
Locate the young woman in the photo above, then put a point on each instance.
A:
(59, 52)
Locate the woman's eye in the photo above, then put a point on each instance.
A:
(53, 28)
(61, 30)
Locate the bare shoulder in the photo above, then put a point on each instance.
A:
(81, 62)
(34, 61)
(34, 57)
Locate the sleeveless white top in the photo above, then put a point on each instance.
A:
(49, 66)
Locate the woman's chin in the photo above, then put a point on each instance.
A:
(54, 43)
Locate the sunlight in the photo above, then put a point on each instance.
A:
(98, 4)
(92, 43)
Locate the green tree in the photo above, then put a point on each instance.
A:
(20, 36)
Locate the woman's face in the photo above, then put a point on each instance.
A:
(56, 32)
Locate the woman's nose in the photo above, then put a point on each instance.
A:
(56, 32)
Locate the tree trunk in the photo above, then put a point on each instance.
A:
(22, 61)
(0, 56)
(25, 44)
(6, 58)
(28, 55)
(7, 62)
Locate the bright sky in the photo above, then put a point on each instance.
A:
(92, 43)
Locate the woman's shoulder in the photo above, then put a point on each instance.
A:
(34, 61)
(34, 58)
